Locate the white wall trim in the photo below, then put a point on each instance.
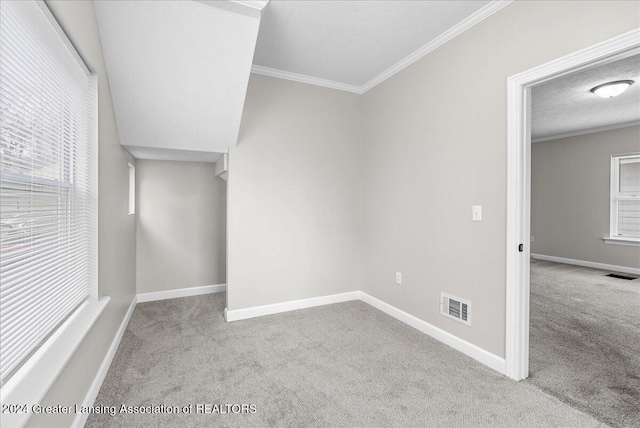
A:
(181, 292)
(63, 36)
(302, 78)
(94, 389)
(276, 308)
(443, 38)
(485, 357)
(584, 263)
(587, 131)
(222, 167)
(30, 384)
(519, 184)
(622, 241)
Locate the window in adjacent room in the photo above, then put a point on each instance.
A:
(625, 197)
(48, 197)
(132, 189)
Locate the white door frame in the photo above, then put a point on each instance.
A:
(519, 184)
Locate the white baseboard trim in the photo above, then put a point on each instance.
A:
(473, 351)
(584, 263)
(485, 357)
(181, 292)
(276, 308)
(94, 389)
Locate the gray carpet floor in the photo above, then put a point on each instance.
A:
(342, 365)
(585, 340)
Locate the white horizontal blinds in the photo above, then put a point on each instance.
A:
(48, 202)
(629, 197)
(630, 176)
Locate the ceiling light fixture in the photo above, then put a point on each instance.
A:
(612, 89)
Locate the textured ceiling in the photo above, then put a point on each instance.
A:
(566, 105)
(351, 42)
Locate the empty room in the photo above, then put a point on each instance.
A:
(585, 225)
(319, 213)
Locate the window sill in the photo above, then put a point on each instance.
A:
(622, 241)
(29, 385)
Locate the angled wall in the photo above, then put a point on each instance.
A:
(294, 195)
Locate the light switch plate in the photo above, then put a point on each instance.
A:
(477, 213)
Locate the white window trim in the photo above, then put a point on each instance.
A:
(29, 385)
(132, 189)
(622, 241)
(613, 237)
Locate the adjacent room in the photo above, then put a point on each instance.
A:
(585, 225)
(319, 213)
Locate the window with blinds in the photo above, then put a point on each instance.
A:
(625, 196)
(48, 181)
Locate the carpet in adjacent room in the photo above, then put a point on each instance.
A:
(585, 340)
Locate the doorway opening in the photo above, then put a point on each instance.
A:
(519, 185)
(585, 241)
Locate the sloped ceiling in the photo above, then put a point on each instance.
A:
(178, 72)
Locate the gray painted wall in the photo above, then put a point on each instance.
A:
(116, 229)
(435, 144)
(181, 233)
(570, 196)
(294, 195)
(310, 195)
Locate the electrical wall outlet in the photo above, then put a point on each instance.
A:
(398, 278)
(533, 239)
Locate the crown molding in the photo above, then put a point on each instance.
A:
(454, 31)
(587, 131)
(302, 78)
(443, 38)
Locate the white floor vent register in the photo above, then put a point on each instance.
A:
(455, 308)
